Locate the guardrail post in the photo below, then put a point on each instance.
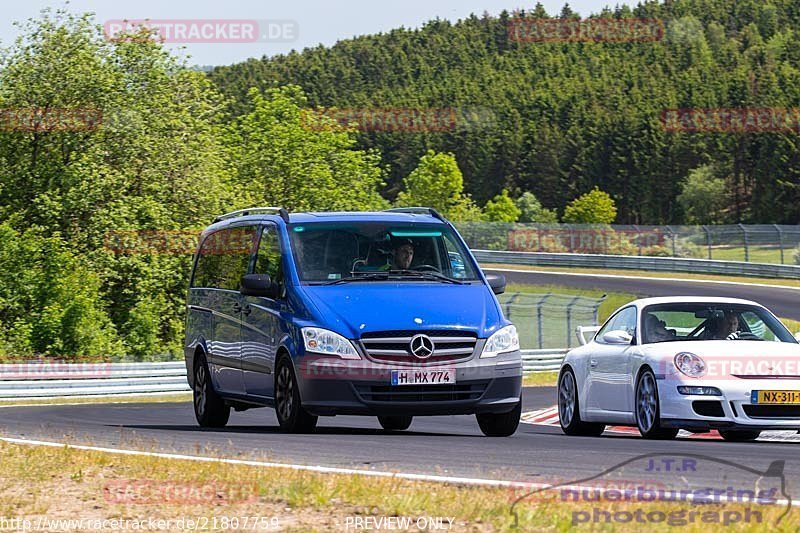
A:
(539, 320)
(780, 240)
(673, 238)
(569, 321)
(509, 303)
(746, 244)
(708, 240)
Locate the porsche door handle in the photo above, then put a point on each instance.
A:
(592, 363)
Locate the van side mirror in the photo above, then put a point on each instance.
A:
(497, 282)
(259, 285)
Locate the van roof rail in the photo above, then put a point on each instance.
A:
(417, 211)
(256, 211)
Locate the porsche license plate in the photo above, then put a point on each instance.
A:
(423, 377)
(779, 397)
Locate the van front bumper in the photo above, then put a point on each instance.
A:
(331, 386)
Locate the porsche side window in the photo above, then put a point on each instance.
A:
(625, 321)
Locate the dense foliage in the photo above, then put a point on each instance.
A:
(561, 118)
(525, 132)
(161, 157)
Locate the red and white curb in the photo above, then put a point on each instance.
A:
(549, 417)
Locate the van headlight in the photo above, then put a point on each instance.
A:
(502, 341)
(690, 365)
(323, 341)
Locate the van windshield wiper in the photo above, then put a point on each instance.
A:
(426, 274)
(361, 276)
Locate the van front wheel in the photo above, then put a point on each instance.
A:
(500, 425)
(291, 415)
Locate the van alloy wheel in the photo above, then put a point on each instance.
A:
(292, 417)
(284, 392)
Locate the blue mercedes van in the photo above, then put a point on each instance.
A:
(381, 314)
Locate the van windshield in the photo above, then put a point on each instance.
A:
(339, 252)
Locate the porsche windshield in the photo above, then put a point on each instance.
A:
(711, 321)
(340, 252)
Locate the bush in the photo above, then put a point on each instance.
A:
(594, 207)
(531, 210)
(797, 256)
(50, 301)
(501, 208)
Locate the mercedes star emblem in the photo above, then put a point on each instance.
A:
(421, 346)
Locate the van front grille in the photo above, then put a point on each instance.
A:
(421, 393)
(395, 346)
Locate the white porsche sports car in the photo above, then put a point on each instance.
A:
(664, 364)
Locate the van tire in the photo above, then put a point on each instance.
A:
(210, 409)
(395, 423)
(500, 425)
(288, 407)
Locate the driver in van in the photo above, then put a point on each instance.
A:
(402, 255)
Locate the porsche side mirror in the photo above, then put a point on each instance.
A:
(617, 337)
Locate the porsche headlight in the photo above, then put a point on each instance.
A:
(690, 364)
(502, 341)
(323, 341)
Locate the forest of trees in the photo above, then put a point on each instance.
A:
(570, 116)
(101, 137)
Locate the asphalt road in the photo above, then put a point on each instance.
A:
(783, 301)
(451, 446)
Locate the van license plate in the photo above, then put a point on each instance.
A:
(424, 377)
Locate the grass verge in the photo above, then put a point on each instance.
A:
(42, 483)
(64, 400)
(540, 379)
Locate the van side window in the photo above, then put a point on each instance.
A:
(224, 258)
(268, 259)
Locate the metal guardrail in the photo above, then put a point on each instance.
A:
(621, 262)
(542, 360)
(46, 380)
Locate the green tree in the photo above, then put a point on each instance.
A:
(287, 155)
(49, 300)
(704, 197)
(154, 161)
(594, 207)
(531, 210)
(501, 208)
(437, 182)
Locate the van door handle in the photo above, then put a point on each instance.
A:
(237, 308)
(592, 363)
(247, 310)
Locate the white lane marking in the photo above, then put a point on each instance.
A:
(347, 471)
(549, 417)
(309, 468)
(644, 278)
